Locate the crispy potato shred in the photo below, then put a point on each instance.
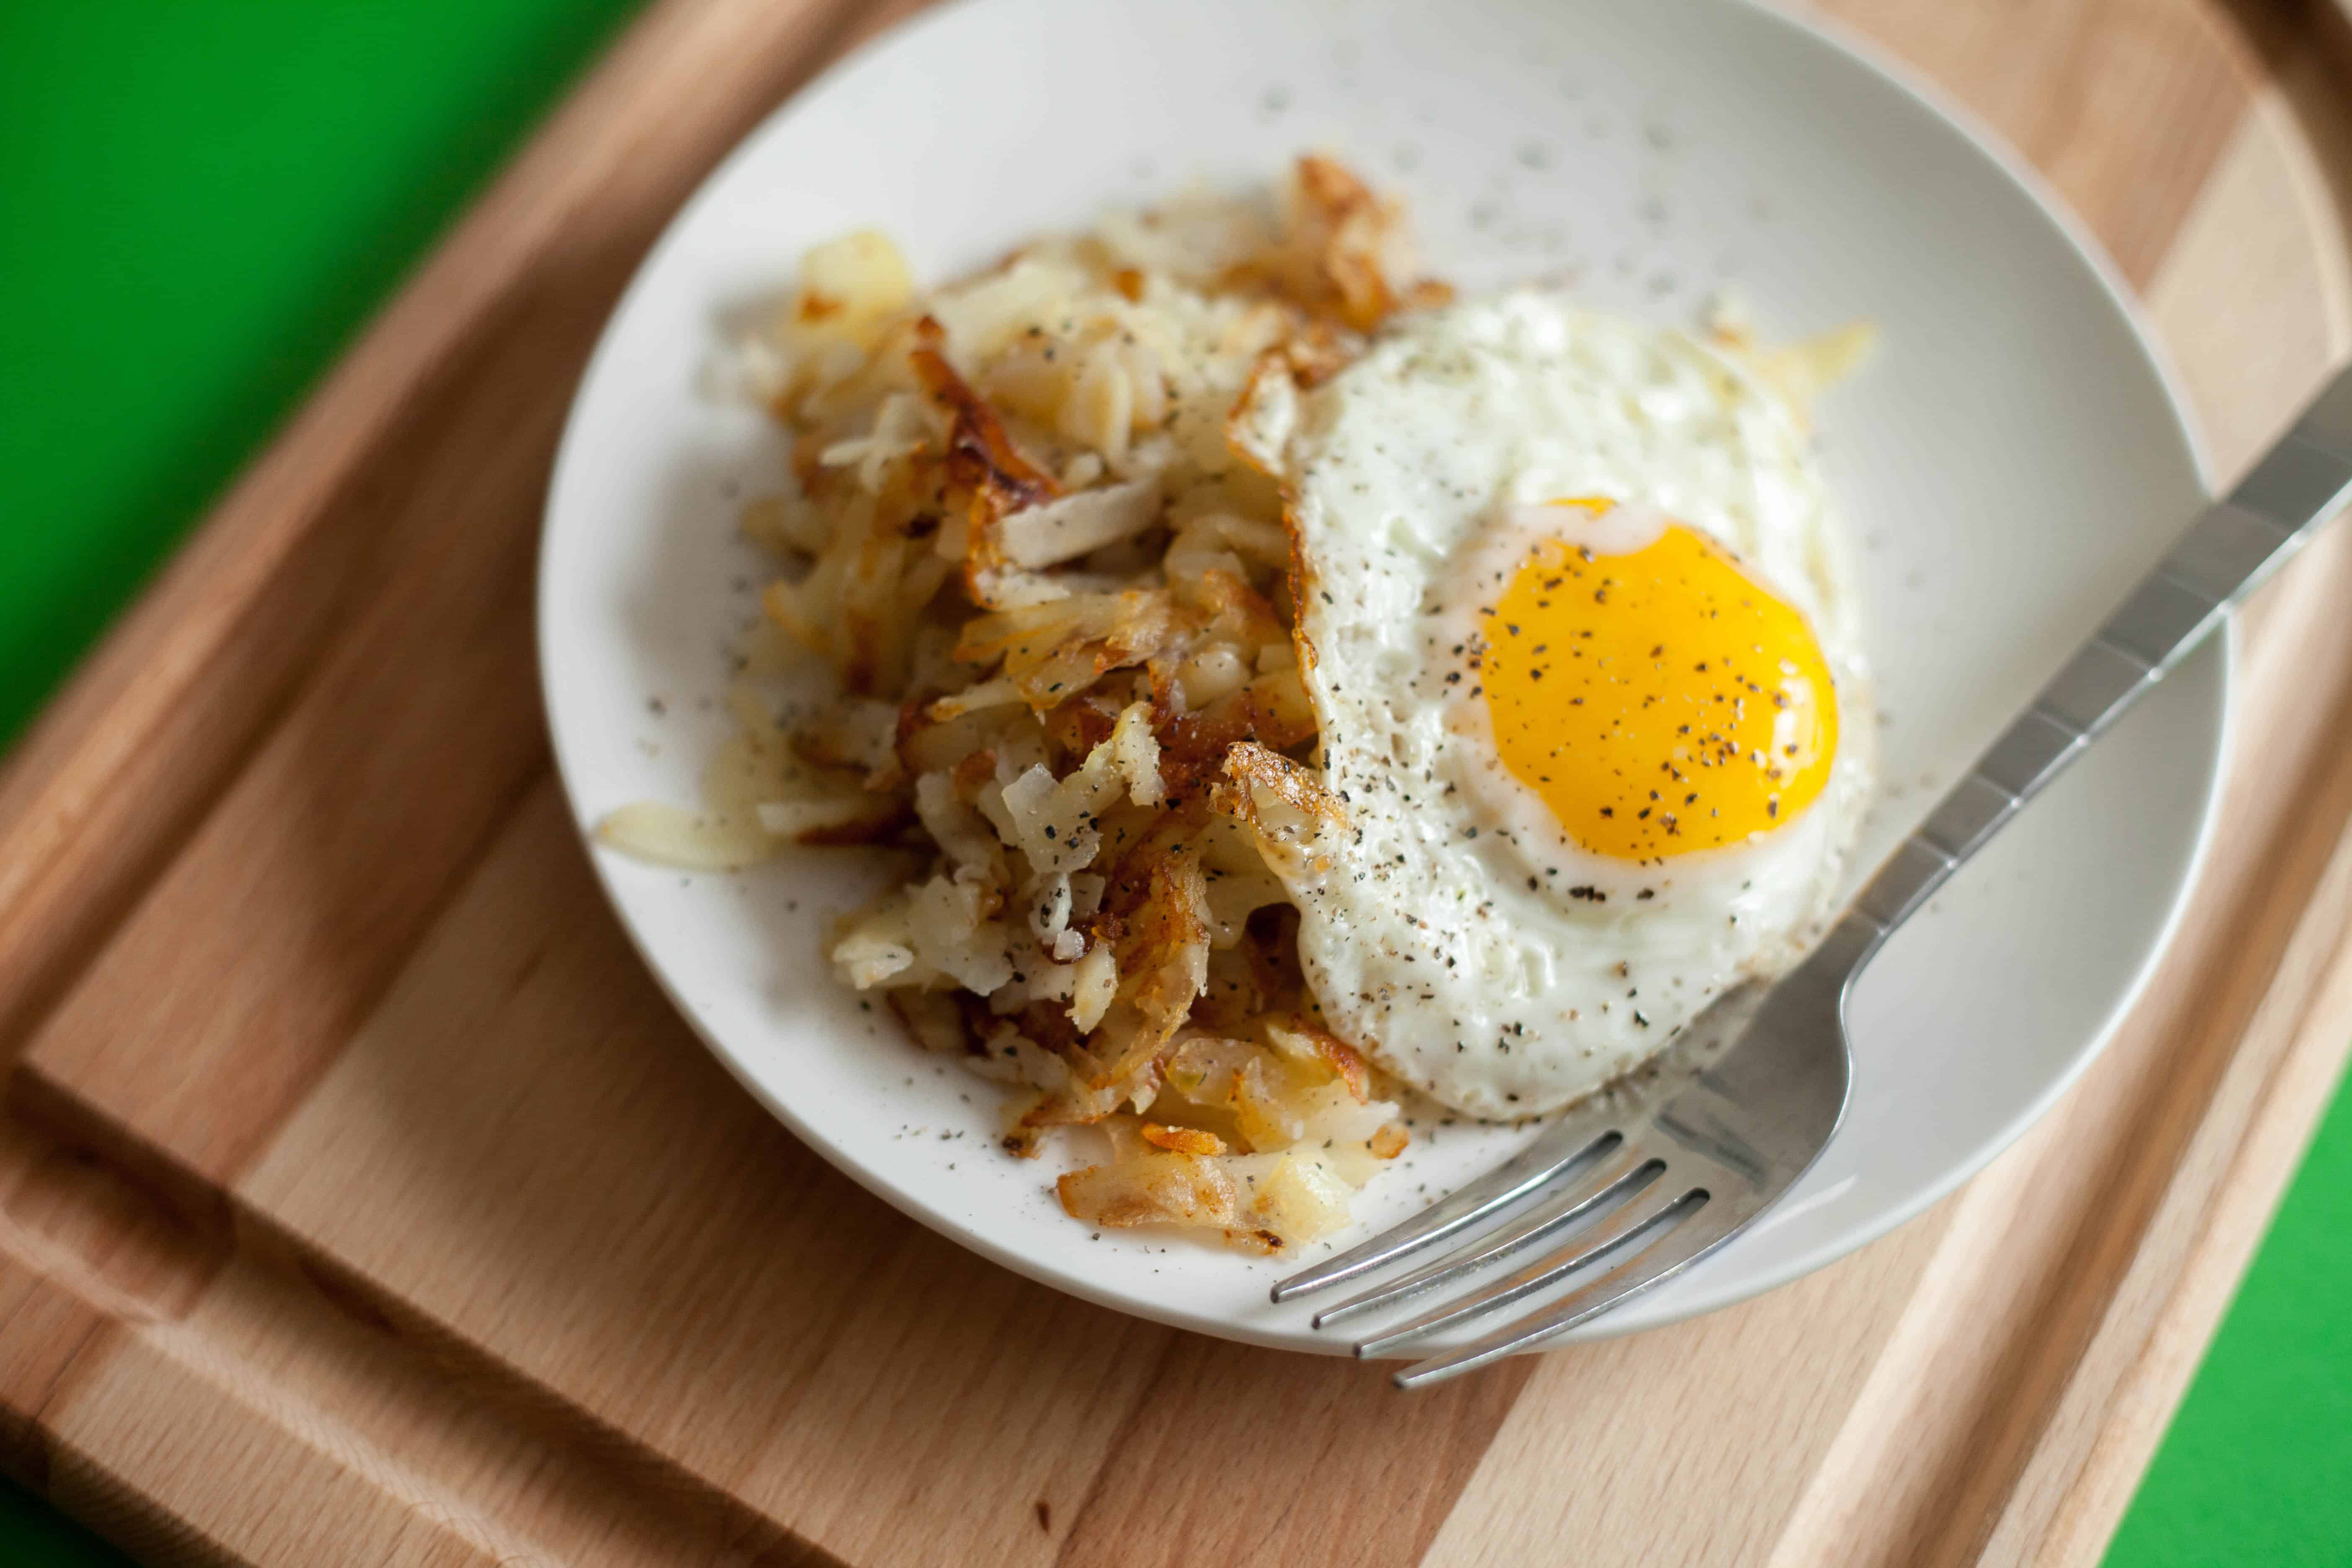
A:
(1056, 607)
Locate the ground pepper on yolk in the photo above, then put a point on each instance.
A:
(1661, 701)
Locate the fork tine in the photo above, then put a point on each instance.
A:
(1558, 1148)
(1698, 1235)
(1627, 1222)
(1613, 1176)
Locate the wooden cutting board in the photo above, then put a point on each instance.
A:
(361, 1200)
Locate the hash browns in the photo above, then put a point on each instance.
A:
(1055, 607)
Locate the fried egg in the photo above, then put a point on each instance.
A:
(1580, 630)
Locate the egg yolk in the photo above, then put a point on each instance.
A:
(1660, 701)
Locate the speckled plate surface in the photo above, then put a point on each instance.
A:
(2014, 460)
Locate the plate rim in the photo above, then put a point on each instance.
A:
(1857, 50)
(2056, 209)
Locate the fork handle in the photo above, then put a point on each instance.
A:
(2298, 484)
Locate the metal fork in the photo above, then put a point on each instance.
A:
(1631, 1189)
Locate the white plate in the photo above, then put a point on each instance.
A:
(2012, 462)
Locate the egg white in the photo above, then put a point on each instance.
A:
(1453, 932)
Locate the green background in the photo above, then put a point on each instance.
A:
(200, 203)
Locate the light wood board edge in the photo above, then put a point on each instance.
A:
(2227, 1179)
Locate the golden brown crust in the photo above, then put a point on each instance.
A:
(1153, 1189)
(980, 457)
(1055, 650)
(988, 476)
(1274, 368)
(1164, 951)
(1344, 242)
(1182, 1140)
(1350, 219)
(1257, 775)
(1345, 1062)
(1271, 711)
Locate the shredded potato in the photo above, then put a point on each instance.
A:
(1055, 603)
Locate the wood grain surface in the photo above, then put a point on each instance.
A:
(360, 1198)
